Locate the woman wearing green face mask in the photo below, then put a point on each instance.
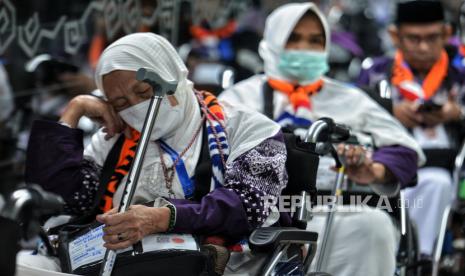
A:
(294, 92)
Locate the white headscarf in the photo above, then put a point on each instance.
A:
(245, 129)
(278, 27)
(154, 52)
(343, 103)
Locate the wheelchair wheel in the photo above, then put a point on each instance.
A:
(408, 259)
(416, 270)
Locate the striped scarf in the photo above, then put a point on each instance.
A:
(298, 113)
(127, 153)
(404, 79)
(217, 139)
(217, 145)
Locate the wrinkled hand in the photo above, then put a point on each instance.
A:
(97, 110)
(406, 113)
(124, 229)
(359, 166)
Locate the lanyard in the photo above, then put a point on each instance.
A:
(181, 171)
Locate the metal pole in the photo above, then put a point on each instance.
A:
(160, 89)
(131, 183)
(330, 217)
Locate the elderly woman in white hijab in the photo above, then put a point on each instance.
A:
(294, 92)
(229, 204)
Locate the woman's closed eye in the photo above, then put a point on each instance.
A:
(145, 94)
(120, 104)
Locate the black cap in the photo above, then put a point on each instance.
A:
(419, 11)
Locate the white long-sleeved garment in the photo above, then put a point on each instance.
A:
(360, 243)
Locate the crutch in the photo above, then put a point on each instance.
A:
(161, 88)
(323, 133)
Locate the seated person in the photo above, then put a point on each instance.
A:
(229, 204)
(421, 72)
(294, 92)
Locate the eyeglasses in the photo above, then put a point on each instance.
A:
(431, 39)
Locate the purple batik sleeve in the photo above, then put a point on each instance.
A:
(235, 209)
(55, 162)
(401, 161)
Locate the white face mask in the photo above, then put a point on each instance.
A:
(167, 120)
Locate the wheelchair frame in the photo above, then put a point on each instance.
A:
(437, 253)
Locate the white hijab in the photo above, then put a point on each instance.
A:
(343, 103)
(278, 27)
(154, 52)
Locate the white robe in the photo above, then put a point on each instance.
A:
(245, 129)
(361, 243)
(370, 231)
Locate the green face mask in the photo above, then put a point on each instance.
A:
(303, 66)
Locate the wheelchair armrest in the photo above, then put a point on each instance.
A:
(267, 238)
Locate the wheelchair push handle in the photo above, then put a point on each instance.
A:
(327, 131)
(32, 199)
(323, 133)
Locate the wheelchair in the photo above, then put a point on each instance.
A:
(454, 162)
(278, 240)
(303, 156)
(408, 255)
(288, 241)
(455, 208)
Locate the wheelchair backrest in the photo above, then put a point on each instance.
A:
(301, 165)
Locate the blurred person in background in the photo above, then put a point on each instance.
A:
(357, 28)
(294, 92)
(226, 33)
(422, 89)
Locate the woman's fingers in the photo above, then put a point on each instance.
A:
(114, 124)
(119, 237)
(127, 132)
(114, 219)
(112, 211)
(119, 124)
(118, 228)
(110, 123)
(352, 155)
(120, 245)
(358, 156)
(104, 114)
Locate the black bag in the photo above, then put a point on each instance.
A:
(165, 262)
(160, 262)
